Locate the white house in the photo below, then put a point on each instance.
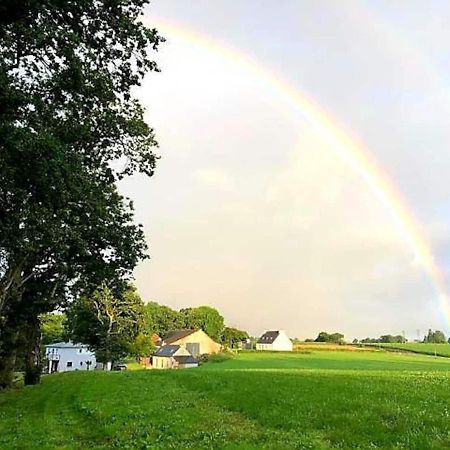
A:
(67, 356)
(274, 341)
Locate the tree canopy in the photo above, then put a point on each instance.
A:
(436, 337)
(108, 323)
(336, 338)
(69, 128)
(161, 319)
(232, 336)
(53, 328)
(204, 317)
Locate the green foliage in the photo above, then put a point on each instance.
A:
(160, 319)
(385, 339)
(437, 337)
(336, 338)
(53, 328)
(108, 323)
(232, 336)
(142, 345)
(67, 72)
(204, 317)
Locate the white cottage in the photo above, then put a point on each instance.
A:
(67, 356)
(274, 341)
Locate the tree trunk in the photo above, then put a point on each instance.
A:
(33, 363)
(8, 350)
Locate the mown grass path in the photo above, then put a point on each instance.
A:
(316, 401)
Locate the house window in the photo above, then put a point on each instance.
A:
(80, 351)
(81, 363)
(69, 363)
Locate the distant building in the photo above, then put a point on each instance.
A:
(274, 341)
(197, 342)
(173, 357)
(67, 357)
(245, 345)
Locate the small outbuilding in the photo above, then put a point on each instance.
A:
(274, 341)
(173, 357)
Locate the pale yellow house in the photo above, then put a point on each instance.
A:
(197, 342)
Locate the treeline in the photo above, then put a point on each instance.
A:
(436, 337)
(118, 326)
(323, 336)
(384, 339)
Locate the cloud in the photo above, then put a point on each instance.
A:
(214, 178)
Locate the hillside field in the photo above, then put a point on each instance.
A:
(415, 347)
(317, 400)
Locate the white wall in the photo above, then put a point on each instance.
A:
(282, 342)
(77, 356)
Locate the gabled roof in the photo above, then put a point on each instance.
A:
(185, 359)
(167, 350)
(174, 336)
(66, 345)
(268, 337)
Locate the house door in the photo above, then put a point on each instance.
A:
(54, 367)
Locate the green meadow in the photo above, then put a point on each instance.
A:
(425, 348)
(316, 400)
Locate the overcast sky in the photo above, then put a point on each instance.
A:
(250, 211)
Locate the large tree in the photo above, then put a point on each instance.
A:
(110, 324)
(204, 317)
(161, 319)
(436, 337)
(69, 128)
(232, 336)
(53, 328)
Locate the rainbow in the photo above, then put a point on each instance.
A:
(344, 144)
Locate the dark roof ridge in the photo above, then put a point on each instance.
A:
(175, 335)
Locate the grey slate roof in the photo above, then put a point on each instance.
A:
(268, 337)
(167, 350)
(173, 336)
(66, 345)
(185, 359)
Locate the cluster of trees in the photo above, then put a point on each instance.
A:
(436, 337)
(335, 338)
(69, 129)
(161, 319)
(118, 326)
(386, 339)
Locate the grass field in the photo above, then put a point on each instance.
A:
(323, 400)
(425, 348)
